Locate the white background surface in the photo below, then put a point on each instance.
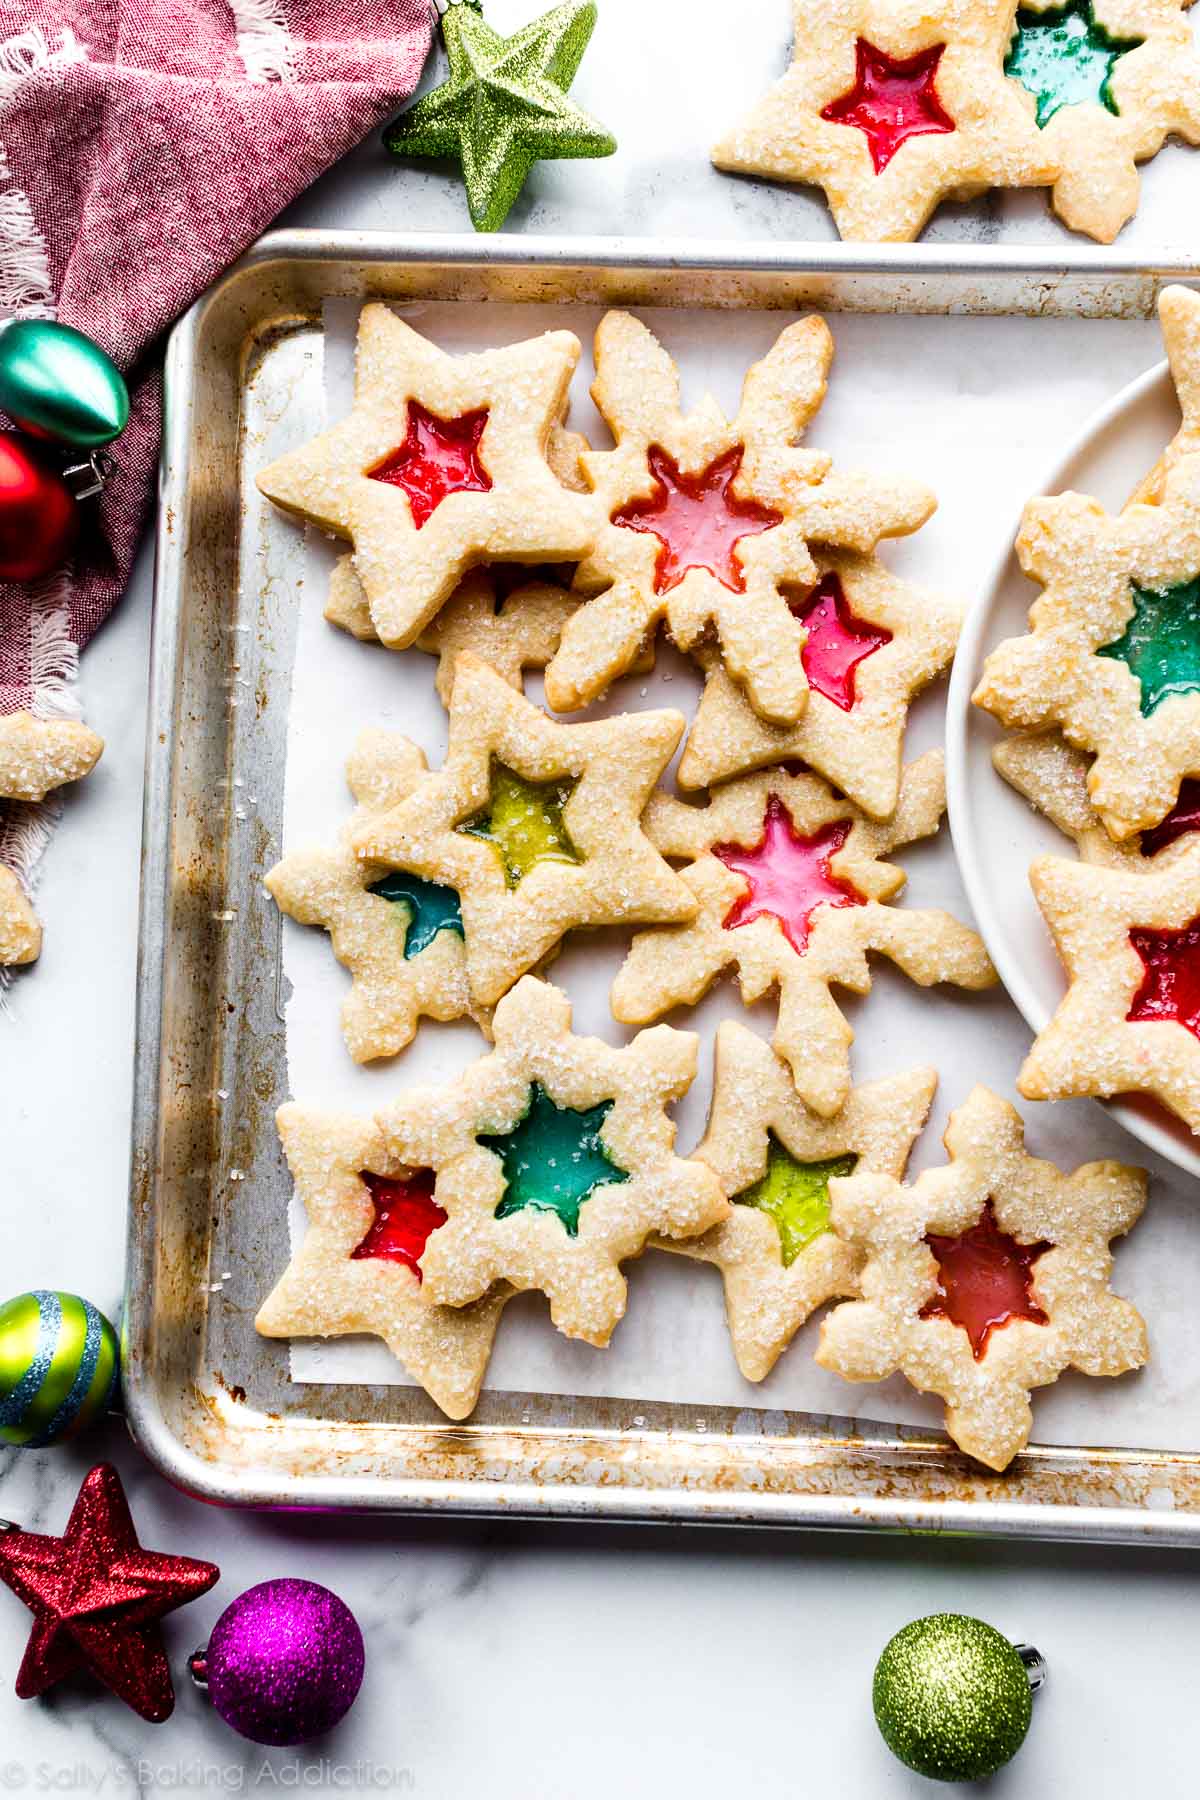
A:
(510, 1661)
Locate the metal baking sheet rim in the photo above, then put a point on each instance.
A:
(905, 1483)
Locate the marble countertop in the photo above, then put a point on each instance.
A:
(508, 1660)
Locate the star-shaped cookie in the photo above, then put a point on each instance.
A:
(357, 1269)
(20, 931)
(400, 937)
(1111, 79)
(505, 106)
(986, 1278)
(705, 521)
(1053, 778)
(555, 1161)
(873, 643)
(535, 825)
(1113, 653)
(441, 465)
(1179, 317)
(39, 755)
(1129, 939)
(778, 1256)
(892, 108)
(791, 890)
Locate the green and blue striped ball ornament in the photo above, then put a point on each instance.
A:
(58, 1367)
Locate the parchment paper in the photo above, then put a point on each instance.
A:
(976, 407)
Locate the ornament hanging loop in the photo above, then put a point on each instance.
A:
(1036, 1666)
(87, 479)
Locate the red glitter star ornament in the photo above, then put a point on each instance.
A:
(891, 101)
(97, 1596)
(789, 875)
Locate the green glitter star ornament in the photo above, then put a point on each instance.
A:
(953, 1698)
(505, 105)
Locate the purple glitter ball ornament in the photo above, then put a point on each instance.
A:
(284, 1662)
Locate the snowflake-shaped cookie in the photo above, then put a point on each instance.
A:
(792, 891)
(535, 825)
(873, 642)
(39, 755)
(705, 521)
(358, 1266)
(1053, 778)
(1110, 80)
(554, 1161)
(1129, 939)
(1179, 317)
(777, 1253)
(400, 937)
(1113, 656)
(442, 464)
(986, 1278)
(20, 932)
(892, 108)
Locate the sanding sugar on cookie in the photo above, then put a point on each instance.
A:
(892, 109)
(791, 890)
(535, 825)
(400, 937)
(1129, 940)
(358, 1266)
(873, 642)
(442, 464)
(555, 1160)
(705, 522)
(986, 1278)
(1112, 656)
(777, 1253)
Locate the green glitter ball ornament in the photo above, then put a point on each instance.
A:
(56, 383)
(58, 1367)
(953, 1698)
(505, 105)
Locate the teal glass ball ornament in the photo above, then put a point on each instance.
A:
(58, 1367)
(56, 383)
(953, 1698)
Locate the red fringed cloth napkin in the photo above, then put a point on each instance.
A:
(143, 146)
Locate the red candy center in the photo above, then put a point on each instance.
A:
(696, 520)
(788, 875)
(984, 1280)
(438, 457)
(837, 642)
(891, 101)
(1171, 988)
(406, 1216)
(1183, 817)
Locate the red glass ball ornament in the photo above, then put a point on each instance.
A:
(39, 516)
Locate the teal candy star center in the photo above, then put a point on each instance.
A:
(795, 1196)
(427, 906)
(553, 1158)
(1160, 646)
(1064, 58)
(505, 105)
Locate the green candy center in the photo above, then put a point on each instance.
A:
(553, 1158)
(426, 907)
(1064, 58)
(524, 823)
(1160, 646)
(795, 1196)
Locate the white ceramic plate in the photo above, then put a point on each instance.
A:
(996, 833)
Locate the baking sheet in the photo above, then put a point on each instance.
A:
(976, 407)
